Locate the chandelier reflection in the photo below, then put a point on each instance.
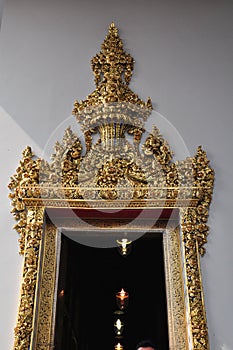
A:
(122, 299)
(118, 327)
(124, 246)
(118, 347)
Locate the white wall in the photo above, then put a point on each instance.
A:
(183, 52)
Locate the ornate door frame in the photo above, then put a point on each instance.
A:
(112, 174)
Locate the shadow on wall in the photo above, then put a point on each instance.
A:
(2, 4)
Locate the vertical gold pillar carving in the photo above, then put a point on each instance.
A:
(174, 288)
(190, 237)
(34, 228)
(43, 338)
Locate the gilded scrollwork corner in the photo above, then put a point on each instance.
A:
(27, 174)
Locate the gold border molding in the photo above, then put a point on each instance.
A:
(111, 173)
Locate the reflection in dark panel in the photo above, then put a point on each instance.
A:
(90, 277)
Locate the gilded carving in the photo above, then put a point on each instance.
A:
(26, 175)
(43, 327)
(112, 68)
(112, 172)
(174, 285)
(32, 239)
(195, 231)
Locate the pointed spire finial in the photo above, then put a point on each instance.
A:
(112, 62)
(113, 68)
(113, 28)
(112, 25)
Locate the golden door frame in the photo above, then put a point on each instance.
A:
(112, 174)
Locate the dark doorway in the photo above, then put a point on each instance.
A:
(90, 277)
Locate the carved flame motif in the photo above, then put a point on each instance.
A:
(112, 172)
